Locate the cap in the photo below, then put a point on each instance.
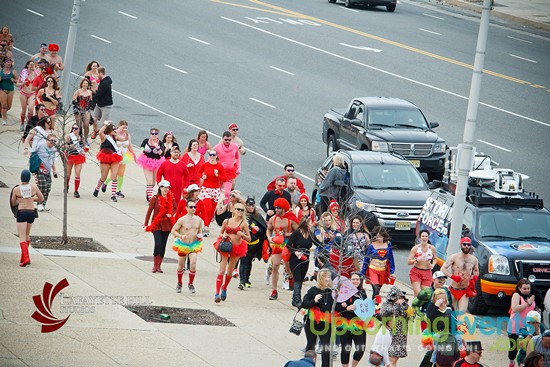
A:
(232, 126)
(334, 205)
(465, 240)
(250, 201)
(439, 274)
(25, 175)
(473, 346)
(281, 203)
(546, 333)
(192, 187)
(304, 196)
(43, 45)
(164, 183)
(532, 316)
(53, 47)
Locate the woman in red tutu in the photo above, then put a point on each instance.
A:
(75, 157)
(109, 157)
(236, 231)
(150, 160)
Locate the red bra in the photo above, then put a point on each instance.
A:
(229, 230)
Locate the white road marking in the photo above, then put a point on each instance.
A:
(176, 69)
(198, 40)
(433, 16)
(23, 52)
(99, 38)
(432, 32)
(348, 9)
(386, 72)
(281, 70)
(523, 58)
(261, 102)
(494, 145)
(32, 11)
(519, 39)
(361, 47)
(128, 15)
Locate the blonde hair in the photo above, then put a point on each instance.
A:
(438, 292)
(338, 160)
(320, 276)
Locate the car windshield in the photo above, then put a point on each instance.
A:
(514, 225)
(397, 117)
(387, 176)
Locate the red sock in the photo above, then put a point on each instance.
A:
(22, 118)
(192, 277)
(227, 280)
(219, 280)
(180, 274)
(76, 183)
(113, 187)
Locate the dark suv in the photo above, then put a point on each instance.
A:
(389, 4)
(383, 184)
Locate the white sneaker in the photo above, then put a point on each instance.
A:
(40, 207)
(4, 123)
(268, 274)
(46, 209)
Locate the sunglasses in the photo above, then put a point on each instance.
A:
(192, 206)
(53, 141)
(235, 129)
(466, 245)
(154, 133)
(290, 170)
(212, 155)
(226, 139)
(75, 127)
(239, 209)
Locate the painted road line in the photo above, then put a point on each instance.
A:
(281, 70)
(523, 58)
(176, 69)
(198, 40)
(519, 39)
(432, 16)
(432, 32)
(384, 71)
(261, 102)
(32, 11)
(99, 38)
(348, 9)
(494, 145)
(361, 47)
(128, 15)
(23, 52)
(70, 253)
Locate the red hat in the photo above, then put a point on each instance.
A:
(465, 240)
(282, 203)
(304, 196)
(334, 205)
(232, 126)
(53, 47)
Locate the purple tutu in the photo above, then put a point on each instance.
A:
(148, 163)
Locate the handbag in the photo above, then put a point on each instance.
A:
(225, 246)
(34, 162)
(297, 325)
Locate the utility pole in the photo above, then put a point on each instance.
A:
(69, 52)
(467, 149)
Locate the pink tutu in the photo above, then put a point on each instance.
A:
(148, 163)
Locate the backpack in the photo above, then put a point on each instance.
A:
(34, 162)
(447, 352)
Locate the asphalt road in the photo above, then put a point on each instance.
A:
(275, 67)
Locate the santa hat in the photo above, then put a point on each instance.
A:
(282, 203)
(232, 126)
(334, 205)
(305, 197)
(53, 47)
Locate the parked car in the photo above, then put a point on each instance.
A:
(389, 4)
(384, 188)
(386, 125)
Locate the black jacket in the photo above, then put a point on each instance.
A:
(324, 305)
(269, 198)
(104, 95)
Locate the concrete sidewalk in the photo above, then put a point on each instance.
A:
(110, 335)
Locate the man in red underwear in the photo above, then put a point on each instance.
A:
(463, 269)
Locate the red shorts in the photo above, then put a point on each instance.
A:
(458, 293)
(378, 276)
(424, 276)
(51, 112)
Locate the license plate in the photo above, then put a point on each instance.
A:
(402, 226)
(415, 163)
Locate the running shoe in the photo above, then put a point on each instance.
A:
(94, 134)
(241, 286)
(248, 285)
(21, 127)
(217, 298)
(114, 199)
(96, 191)
(120, 194)
(274, 295)
(224, 294)
(40, 207)
(103, 188)
(4, 122)
(191, 288)
(178, 288)
(76, 194)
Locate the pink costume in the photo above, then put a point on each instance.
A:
(230, 159)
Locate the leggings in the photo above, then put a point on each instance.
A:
(513, 351)
(321, 330)
(245, 265)
(161, 237)
(360, 344)
(298, 268)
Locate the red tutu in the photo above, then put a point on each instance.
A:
(231, 173)
(76, 159)
(239, 250)
(108, 156)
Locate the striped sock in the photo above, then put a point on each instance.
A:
(99, 183)
(113, 188)
(149, 191)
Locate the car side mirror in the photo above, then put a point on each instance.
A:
(433, 125)
(346, 122)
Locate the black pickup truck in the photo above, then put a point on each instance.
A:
(386, 125)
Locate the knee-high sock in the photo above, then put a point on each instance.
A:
(226, 282)
(120, 181)
(149, 191)
(180, 275)
(108, 180)
(22, 118)
(219, 280)
(99, 183)
(192, 276)
(113, 188)
(76, 183)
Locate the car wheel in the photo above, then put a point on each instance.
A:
(332, 1)
(331, 145)
(477, 305)
(348, 4)
(391, 8)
